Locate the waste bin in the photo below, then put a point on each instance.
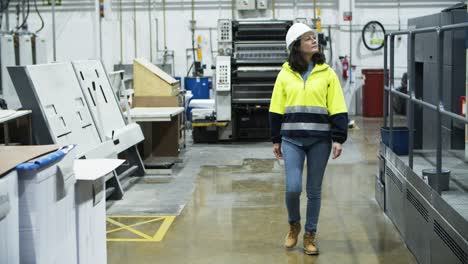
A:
(47, 223)
(9, 223)
(400, 139)
(372, 92)
(444, 180)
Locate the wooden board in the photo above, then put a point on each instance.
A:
(156, 101)
(149, 80)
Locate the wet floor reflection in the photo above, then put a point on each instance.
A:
(237, 215)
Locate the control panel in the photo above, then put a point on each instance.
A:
(223, 73)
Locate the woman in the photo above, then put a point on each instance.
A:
(308, 119)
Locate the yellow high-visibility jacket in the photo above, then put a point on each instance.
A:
(311, 108)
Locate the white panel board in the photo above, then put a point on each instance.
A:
(104, 106)
(64, 105)
(100, 97)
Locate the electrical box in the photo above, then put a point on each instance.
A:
(223, 88)
(41, 50)
(223, 73)
(245, 5)
(262, 4)
(7, 58)
(25, 50)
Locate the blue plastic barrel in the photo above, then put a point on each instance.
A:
(210, 82)
(199, 86)
(400, 139)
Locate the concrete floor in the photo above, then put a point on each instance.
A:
(229, 206)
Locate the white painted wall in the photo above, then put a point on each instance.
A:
(77, 36)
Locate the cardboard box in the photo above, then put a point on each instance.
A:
(90, 198)
(47, 220)
(157, 101)
(12, 156)
(149, 80)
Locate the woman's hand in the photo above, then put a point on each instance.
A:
(277, 151)
(337, 149)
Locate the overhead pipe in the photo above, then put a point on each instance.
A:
(164, 23)
(121, 31)
(100, 30)
(350, 43)
(233, 4)
(295, 8)
(315, 13)
(157, 34)
(128, 5)
(273, 8)
(54, 36)
(7, 20)
(193, 36)
(150, 31)
(135, 29)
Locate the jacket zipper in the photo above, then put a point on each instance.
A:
(305, 81)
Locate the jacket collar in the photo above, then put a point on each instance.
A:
(317, 67)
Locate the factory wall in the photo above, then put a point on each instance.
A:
(78, 38)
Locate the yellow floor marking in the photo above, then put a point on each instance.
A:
(129, 240)
(163, 229)
(136, 224)
(136, 232)
(135, 216)
(158, 236)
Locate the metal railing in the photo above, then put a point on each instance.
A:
(439, 108)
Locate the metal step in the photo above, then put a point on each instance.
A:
(109, 191)
(127, 173)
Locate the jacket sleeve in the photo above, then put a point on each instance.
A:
(277, 108)
(275, 125)
(337, 110)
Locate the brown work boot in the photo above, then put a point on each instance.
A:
(309, 244)
(291, 238)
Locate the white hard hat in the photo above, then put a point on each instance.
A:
(295, 31)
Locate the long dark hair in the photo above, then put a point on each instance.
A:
(296, 59)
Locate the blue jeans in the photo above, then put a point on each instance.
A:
(317, 153)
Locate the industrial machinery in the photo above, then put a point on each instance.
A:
(425, 195)
(454, 78)
(251, 54)
(73, 103)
